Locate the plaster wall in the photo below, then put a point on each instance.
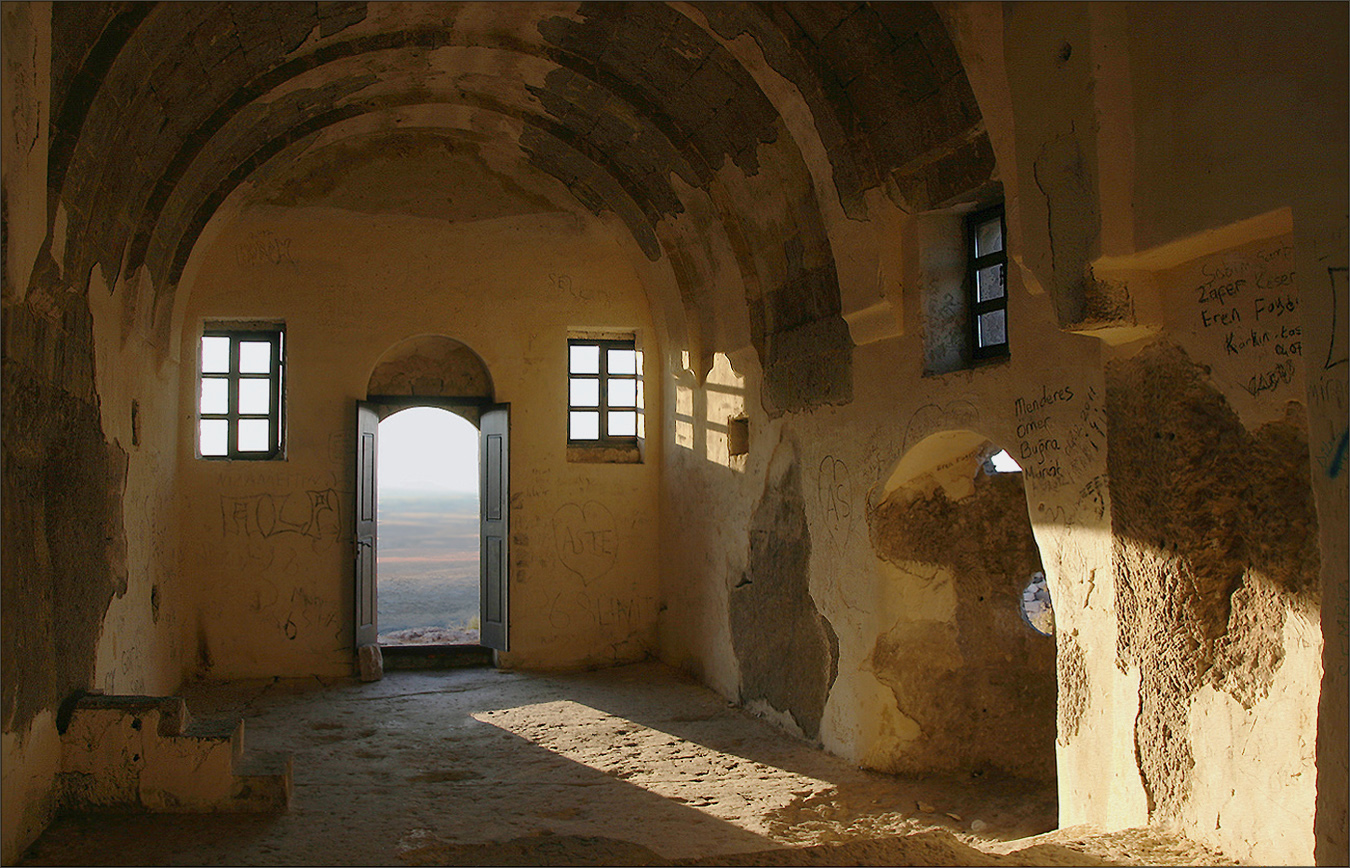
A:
(92, 600)
(1062, 409)
(1042, 405)
(268, 543)
(1138, 139)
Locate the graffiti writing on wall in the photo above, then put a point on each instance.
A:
(264, 516)
(586, 538)
(572, 609)
(263, 248)
(1242, 315)
(1061, 434)
(579, 290)
(834, 488)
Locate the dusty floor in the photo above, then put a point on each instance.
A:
(629, 766)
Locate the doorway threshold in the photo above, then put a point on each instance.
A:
(436, 656)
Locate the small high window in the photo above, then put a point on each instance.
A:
(988, 264)
(240, 410)
(604, 392)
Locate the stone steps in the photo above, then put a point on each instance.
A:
(147, 753)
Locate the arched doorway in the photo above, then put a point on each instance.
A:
(420, 394)
(970, 658)
(427, 559)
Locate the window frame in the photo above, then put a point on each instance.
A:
(975, 263)
(603, 378)
(271, 333)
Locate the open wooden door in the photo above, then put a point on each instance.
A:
(367, 429)
(493, 426)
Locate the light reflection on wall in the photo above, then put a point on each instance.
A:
(702, 414)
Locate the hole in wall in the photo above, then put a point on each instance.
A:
(738, 436)
(1037, 610)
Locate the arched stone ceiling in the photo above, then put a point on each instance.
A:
(638, 110)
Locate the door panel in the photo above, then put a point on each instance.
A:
(494, 424)
(366, 511)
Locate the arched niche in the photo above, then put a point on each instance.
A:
(430, 366)
(958, 552)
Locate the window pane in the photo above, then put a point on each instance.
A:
(254, 435)
(989, 283)
(584, 359)
(255, 357)
(622, 393)
(214, 434)
(622, 361)
(993, 327)
(255, 396)
(989, 237)
(215, 395)
(623, 424)
(584, 393)
(584, 425)
(215, 355)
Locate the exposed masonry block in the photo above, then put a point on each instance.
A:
(941, 53)
(145, 753)
(788, 652)
(854, 47)
(336, 17)
(75, 30)
(808, 366)
(903, 20)
(816, 20)
(958, 176)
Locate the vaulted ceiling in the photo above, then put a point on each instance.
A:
(683, 121)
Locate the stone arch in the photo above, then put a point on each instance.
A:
(431, 366)
(955, 541)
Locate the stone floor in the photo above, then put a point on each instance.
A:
(630, 766)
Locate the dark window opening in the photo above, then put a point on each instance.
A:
(987, 278)
(604, 393)
(240, 406)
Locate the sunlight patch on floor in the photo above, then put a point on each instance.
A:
(731, 788)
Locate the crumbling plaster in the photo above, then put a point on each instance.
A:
(1140, 149)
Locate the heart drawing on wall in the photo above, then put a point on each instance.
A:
(586, 538)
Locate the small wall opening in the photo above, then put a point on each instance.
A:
(428, 529)
(963, 659)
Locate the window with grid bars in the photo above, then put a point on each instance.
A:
(240, 406)
(604, 392)
(988, 283)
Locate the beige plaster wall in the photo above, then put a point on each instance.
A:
(275, 596)
(1070, 93)
(845, 457)
(146, 642)
(138, 638)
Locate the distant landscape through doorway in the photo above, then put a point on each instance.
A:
(428, 539)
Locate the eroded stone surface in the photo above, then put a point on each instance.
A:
(788, 653)
(981, 683)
